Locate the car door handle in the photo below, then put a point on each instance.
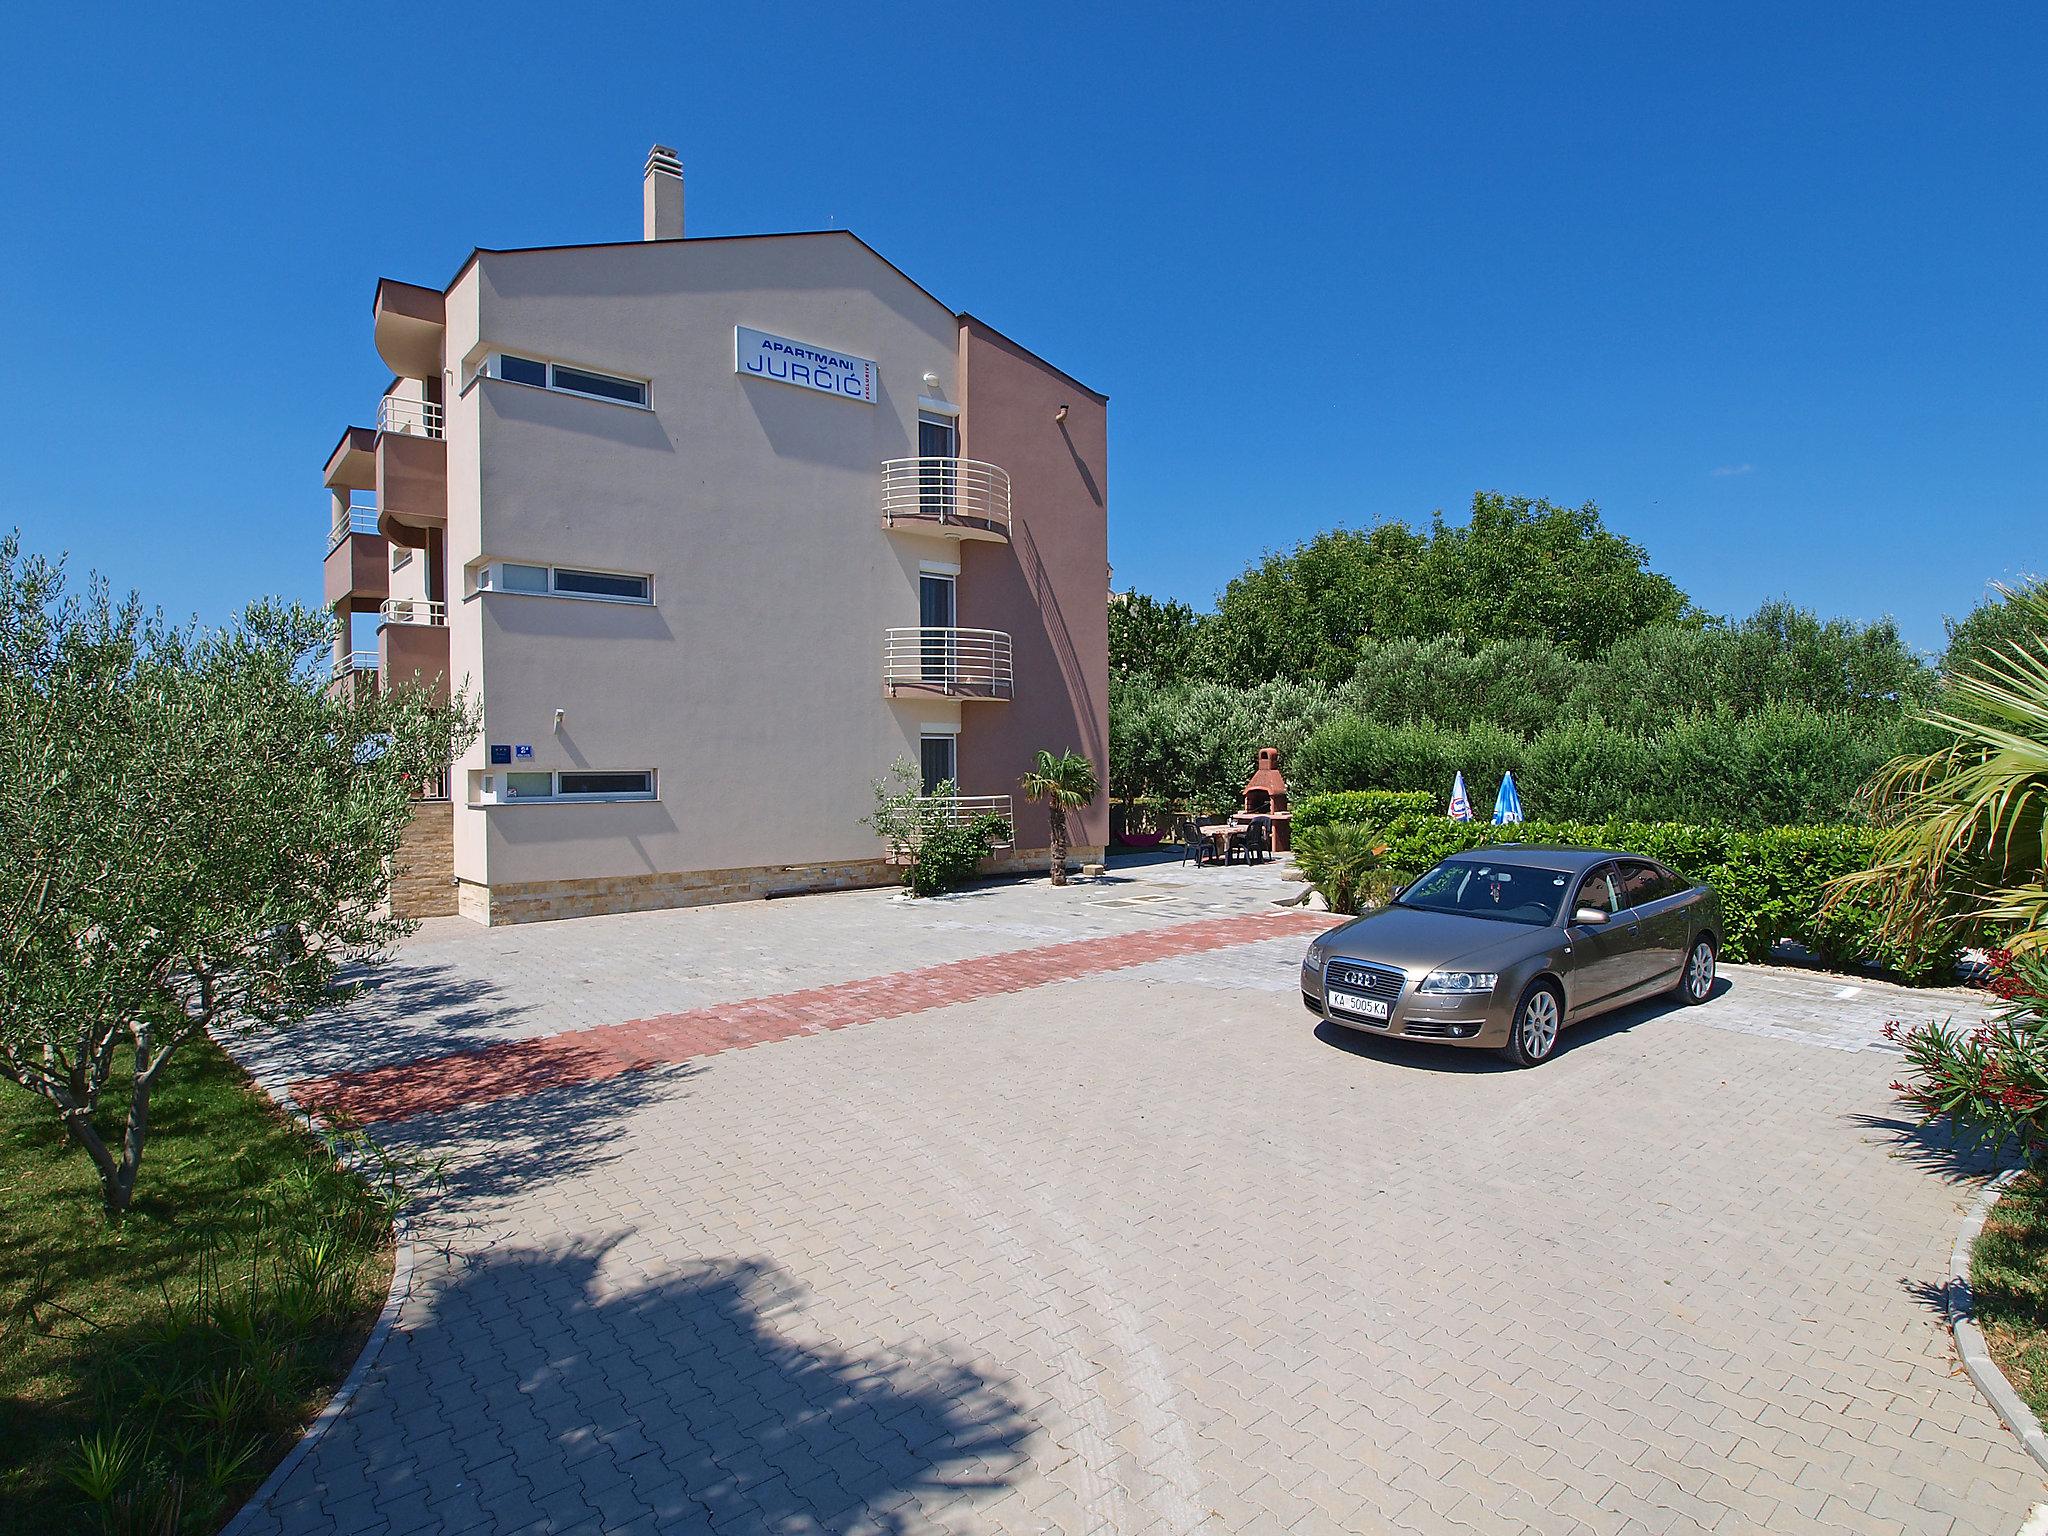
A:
(1634, 929)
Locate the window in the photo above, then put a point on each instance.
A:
(401, 557)
(564, 379)
(601, 584)
(1514, 893)
(1601, 890)
(936, 761)
(610, 786)
(562, 581)
(1643, 883)
(505, 787)
(523, 578)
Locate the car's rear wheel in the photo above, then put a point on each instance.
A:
(1539, 1016)
(1696, 977)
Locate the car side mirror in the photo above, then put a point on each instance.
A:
(1591, 917)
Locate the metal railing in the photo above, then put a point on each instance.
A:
(352, 662)
(952, 493)
(409, 418)
(413, 610)
(964, 808)
(354, 520)
(962, 663)
(958, 811)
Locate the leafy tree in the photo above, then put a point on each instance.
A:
(199, 836)
(1063, 783)
(1519, 568)
(1147, 636)
(1991, 626)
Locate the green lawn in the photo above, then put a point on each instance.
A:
(172, 1356)
(2009, 1288)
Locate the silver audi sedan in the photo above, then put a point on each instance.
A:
(1504, 947)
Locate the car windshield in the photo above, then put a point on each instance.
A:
(1512, 893)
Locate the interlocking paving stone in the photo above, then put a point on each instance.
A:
(1142, 1249)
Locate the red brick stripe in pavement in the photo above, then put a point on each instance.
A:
(520, 1067)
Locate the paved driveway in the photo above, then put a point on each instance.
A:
(1053, 1211)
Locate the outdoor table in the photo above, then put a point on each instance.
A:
(1219, 835)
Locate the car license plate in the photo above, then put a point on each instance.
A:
(1364, 1007)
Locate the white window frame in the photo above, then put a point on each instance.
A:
(489, 787)
(401, 557)
(493, 367)
(488, 576)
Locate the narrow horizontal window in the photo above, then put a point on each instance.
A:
(522, 370)
(529, 786)
(615, 786)
(601, 584)
(523, 578)
(579, 381)
(562, 581)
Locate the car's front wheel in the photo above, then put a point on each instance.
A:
(1696, 980)
(1538, 1018)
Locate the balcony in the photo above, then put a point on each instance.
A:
(412, 645)
(358, 564)
(409, 418)
(947, 664)
(409, 323)
(411, 459)
(954, 498)
(355, 674)
(956, 811)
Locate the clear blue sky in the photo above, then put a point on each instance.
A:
(1766, 282)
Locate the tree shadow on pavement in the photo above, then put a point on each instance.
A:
(560, 1387)
(1932, 1148)
(398, 1011)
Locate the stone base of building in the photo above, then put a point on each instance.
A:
(539, 901)
(423, 872)
(1037, 861)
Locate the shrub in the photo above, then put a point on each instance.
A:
(946, 856)
(1337, 860)
(1991, 1083)
(1377, 806)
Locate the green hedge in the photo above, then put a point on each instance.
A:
(1778, 766)
(1772, 880)
(1373, 807)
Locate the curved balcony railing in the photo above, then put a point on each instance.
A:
(413, 610)
(952, 663)
(962, 498)
(409, 418)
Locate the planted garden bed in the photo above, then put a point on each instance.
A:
(155, 1367)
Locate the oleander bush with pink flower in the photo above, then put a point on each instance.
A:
(1989, 1083)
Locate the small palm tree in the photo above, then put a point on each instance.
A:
(1064, 783)
(1970, 820)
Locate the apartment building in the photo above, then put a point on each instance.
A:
(716, 530)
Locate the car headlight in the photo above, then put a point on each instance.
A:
(1459, 981)
(1313, 960)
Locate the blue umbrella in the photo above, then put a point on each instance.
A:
(1507, 805)
(1461, 803)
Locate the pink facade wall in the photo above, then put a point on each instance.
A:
(1049, 587)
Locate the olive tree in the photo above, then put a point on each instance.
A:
(199, 836)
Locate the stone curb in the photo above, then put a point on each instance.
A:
(1970, 1338)
(394, 1299)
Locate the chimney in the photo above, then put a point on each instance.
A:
(661, 195)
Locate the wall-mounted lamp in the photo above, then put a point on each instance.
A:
(931, 381)
(560, 716)
(1060, 414)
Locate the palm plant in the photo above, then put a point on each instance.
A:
(1063, 783)
(1967, 824)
